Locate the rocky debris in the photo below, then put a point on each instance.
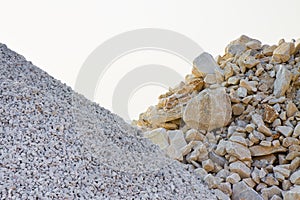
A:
(241, 123)
(56, 144)
(293, 194)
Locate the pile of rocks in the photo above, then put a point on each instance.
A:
(239, 126)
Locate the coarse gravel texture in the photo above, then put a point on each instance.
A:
(56, 144)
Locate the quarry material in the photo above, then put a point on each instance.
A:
(55, 144)
(243, 140)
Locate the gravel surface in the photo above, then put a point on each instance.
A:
(56, 144)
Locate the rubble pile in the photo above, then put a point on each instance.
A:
(238, 126)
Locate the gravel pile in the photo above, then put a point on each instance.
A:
(56, 144)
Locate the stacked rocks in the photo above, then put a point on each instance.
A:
(239, 126)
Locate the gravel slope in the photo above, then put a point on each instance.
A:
(55, 144)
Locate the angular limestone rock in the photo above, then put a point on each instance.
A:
(158, 136)
(204, 64)
(211, 109)
(242, 191)
(282, 82)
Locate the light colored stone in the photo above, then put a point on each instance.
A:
(249, 182)
(291, 109)
(177, 145)
(238, 150)
(208, 165)
(270, 180)
(286, 185)
(282, 81)
(240, 168)
(233, 178)
(276, 197)
(268, 193)
(209, 110)
(293, 194)
(281, 172)
(158, 136)
(254, 44)
(285, 130)
(295, 177)
(295, 164)
(241, 92)
(257, 119)
(210, 79)
(296, 132)
(270, 114)
(283, 52)
(221, 148)
(201, 173)
(211, 181)
(234, 80)
(238, 109)
(243, 192)
(204, 64)
(221, 195)
(259, 150)
(249, 85)
(268, 50)
(193, 135)
(288, 141)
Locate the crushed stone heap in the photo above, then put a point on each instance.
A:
(56, 144)
(239, 126)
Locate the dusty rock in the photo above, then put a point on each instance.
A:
(238, 150)
(238, 109)
(240, 168)
(259, 150)
(211, 181)
(293, 194)
(221, 195)
(291, 109)
(158, 136)
(285, 130)
(209, 110)
(283, 52)
(242, 191)
(204, 64)
(268, 193)
(270, 114)
(249, 85)
(282, 82)
(296, 132)
(295, 177)
(193, 135)
(257, 119)
(233, 178)
(208, 165)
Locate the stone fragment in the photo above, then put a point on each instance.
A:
(295, 177)
(238, 150)
(282, 81)
(291, 109)
(210, 79)
(249, 85)
(221, 148)
(249, 182)
(281, 172)
(284, 130)
(268, 193)
(221, 161)
(209, 110)
(208, 165)
(254, 44)
(234, 80)
(177, 144)
(283, 52)
(276, 197)
(226, 188)
(295, 164)
(233, 178)
(296, 132)
(201, 173)
(270, 180)
(204, 64)
(238, 109)
(288, 141)
(257, 119)
(221, 195)
(286, 185)
(270, 114)
(193, 135)
(240, 168)
(228, 72)
(241, 92)
(211, 181)
(158, 136)
(242, 191)
(259, 150)
(268, 50)
(293, 194)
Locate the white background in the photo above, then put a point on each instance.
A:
(58, 35)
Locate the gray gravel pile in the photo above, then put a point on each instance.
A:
(56, 144)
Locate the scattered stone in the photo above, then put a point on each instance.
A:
(204, 64)
(233, 178)
(291, 109)
(285, 130)
(259, 150)
(242, 191)
(293, 194)
(295, 177)
(270, 114)
(282, 82)
(268, 193)
(209, 110)
(158, 136)
(208, 165)
(296, 132)
(283, 52)
(240, 168)
(238, 150)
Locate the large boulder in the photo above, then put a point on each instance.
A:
(210, 109)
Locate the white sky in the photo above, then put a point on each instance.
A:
(59, 35)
